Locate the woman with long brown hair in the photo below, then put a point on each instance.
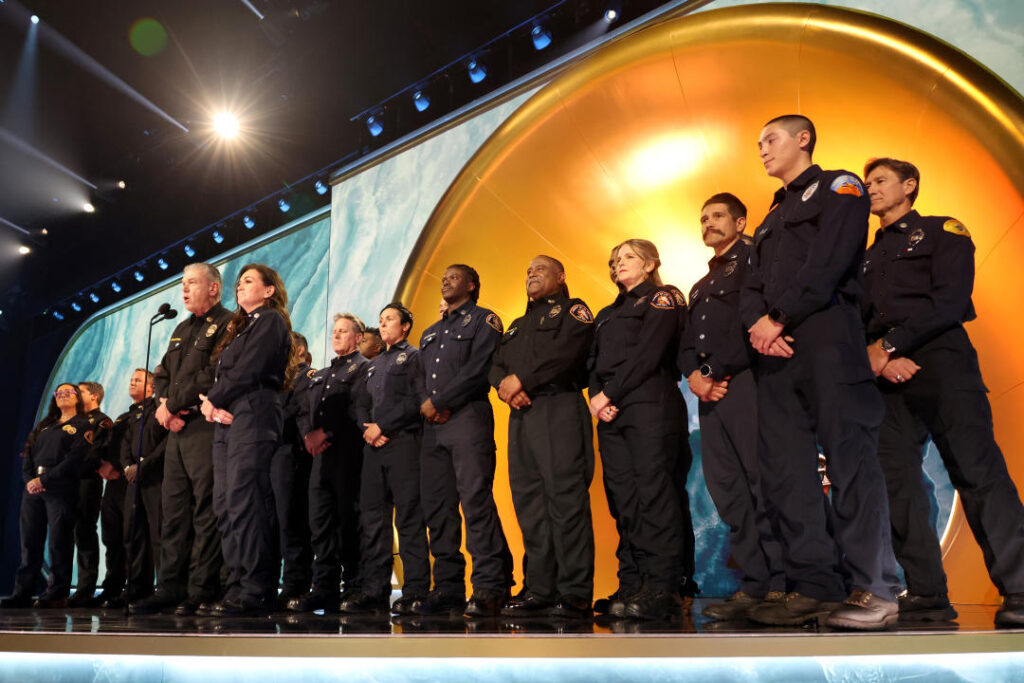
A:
(51, 471)
(254, 365)
(641, 415)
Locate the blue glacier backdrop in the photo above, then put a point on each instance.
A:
(352, 259)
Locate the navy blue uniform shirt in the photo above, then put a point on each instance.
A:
(154, 440)
(808, 250)
(715, 335)
(456, 353)
(59, 449)
(636, 340)
(394, 390)
(547, 347)
(919, 274)
(332, 396)
(255, 359)
(186, 369)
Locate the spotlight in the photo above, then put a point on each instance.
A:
(218, 237)
(162, 264)
(541, 37)
(189, 251)
(225, 124)
(76, 307)
(94, 297)
(611, 15)
(139, 277)
(116, 286)
(44, 231)
(420, 100)
(374, 126)
(122, 184)
(477, 71)
(88, 208)
(283, 204)
(35, 20)
(57, 315)
(248, 222)
(23, 250)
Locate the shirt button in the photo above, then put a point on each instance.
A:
(442, 346)
(328, 386)
(434, 376)
(721, 291)
(460, 336)
(438, 360)
(706, 299)
(701, 336)
(712, 282)
(703, 317)
(433, 392)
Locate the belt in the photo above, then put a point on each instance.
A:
(40, 470)
(551, 389)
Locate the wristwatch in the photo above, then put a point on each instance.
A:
(777, 316)
(705, 371)
(886, 346)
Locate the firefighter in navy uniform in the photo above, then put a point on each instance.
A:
(919, 274)
(804, 285)
(458, 456)
(51, 472)
(539, 369)
(190, 556)
(634, 395)
(289, 478)
(716, 359)
(335, 441)
(142, 535)
(96, 469)
(254, 365)
(389, 411)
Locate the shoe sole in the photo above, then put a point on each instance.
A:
(857, 625)
(797, 620)
(947, 614)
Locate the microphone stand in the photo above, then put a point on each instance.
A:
(161, 315)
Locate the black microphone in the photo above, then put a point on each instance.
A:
(170, 313)
(166, 312)
(164, 307)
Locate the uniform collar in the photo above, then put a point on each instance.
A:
(215, 310)
(731, 255)
(345, 359)
(799, 183)
(400, 346)
(464, 309)
(904, 222)
(556, 298)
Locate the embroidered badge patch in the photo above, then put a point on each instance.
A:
(847, 184)
(662, 300)
(107, 424)
(555, 310)
(70, 429)
(211, 330)
(809, 192)
(914, 238)
(956, 227)
(494, 321)
(730, 268)
(402, 357)
(89, 437)
(581, 313)
(466, 319)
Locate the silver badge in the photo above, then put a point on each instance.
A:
(915, 238)
(555, 310)
(809, 192)
(402, 357)
(466, 319)
(730, 268)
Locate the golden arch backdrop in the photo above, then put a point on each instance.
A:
(631, 141)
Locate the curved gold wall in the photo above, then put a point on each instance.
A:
(631, 141)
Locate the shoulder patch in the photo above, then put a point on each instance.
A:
(662, 299)
(582, 313)
(494, 321)
(107, 424)
(70, 429)
(847, 184)
(956, 227)
(678, 297)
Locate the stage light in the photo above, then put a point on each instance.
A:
(420, 100)
(162, 264)
(76, 307)
(189, 251)
(611, 15)
(218, 237)
(57, 315)
(477, 71)
(88, 208)
(139, 277)
(283, 204)
(122, 184)
(23, 250)
(44, 231)
(248, 222)
(225, 124)
(320, 187)
(541, 37)
(116, 286)
(374, 126)
(34, 19)
(94, 297)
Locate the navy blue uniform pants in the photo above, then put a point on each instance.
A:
(728, 436)
(142, 536)
(458, 461)
(334, 520)
(87, 539)
(54, 509)
(551, 465)
(826, 394)
(289, 478)
(391, 486)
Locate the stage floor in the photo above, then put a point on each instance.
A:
(283, 634)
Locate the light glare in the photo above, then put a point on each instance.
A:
(226, 125)
(88, 208)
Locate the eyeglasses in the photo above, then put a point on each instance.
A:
(62, 393)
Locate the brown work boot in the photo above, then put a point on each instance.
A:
(736, 606)
(864, 611)
(792, 610)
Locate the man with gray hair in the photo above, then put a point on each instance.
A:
(190, 555)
